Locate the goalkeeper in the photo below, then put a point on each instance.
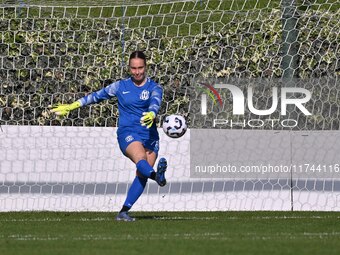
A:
(139, 100)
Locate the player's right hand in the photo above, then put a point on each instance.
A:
(64, 109)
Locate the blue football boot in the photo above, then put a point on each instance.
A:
(124, 216)
(160, 174)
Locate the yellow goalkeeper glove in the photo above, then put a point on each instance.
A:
(147, 119)
(64, 109)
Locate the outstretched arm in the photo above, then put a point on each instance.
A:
(94, 97)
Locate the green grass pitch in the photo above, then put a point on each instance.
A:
(170, 233)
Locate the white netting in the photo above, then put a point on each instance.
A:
(53, 52)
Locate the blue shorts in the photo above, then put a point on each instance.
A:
(127, 137)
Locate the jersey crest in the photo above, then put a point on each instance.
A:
(144, 95)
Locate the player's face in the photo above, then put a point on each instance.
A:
(137, 70)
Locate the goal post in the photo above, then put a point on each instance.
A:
(58, 51)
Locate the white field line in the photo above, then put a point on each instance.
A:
(292, 236)
(185, 218)
(31, 220)
(188, 236)
(242, 218)
(322, 234)
(167, 218)
(280, 217)
(56, 220)
(192, 236)
(103, 219)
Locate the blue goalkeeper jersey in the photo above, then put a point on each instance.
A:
(132, 102)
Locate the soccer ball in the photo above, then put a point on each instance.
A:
(174, 126)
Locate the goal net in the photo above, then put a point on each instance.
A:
(58, 51)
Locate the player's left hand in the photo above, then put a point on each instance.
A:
(147, 119)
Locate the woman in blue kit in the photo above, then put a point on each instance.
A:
(139, 100)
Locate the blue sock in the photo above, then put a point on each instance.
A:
(144, 168)
(136, 189)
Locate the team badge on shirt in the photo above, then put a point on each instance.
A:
(144, 95)
(129, 138)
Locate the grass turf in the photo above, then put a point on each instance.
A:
(170, 233)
